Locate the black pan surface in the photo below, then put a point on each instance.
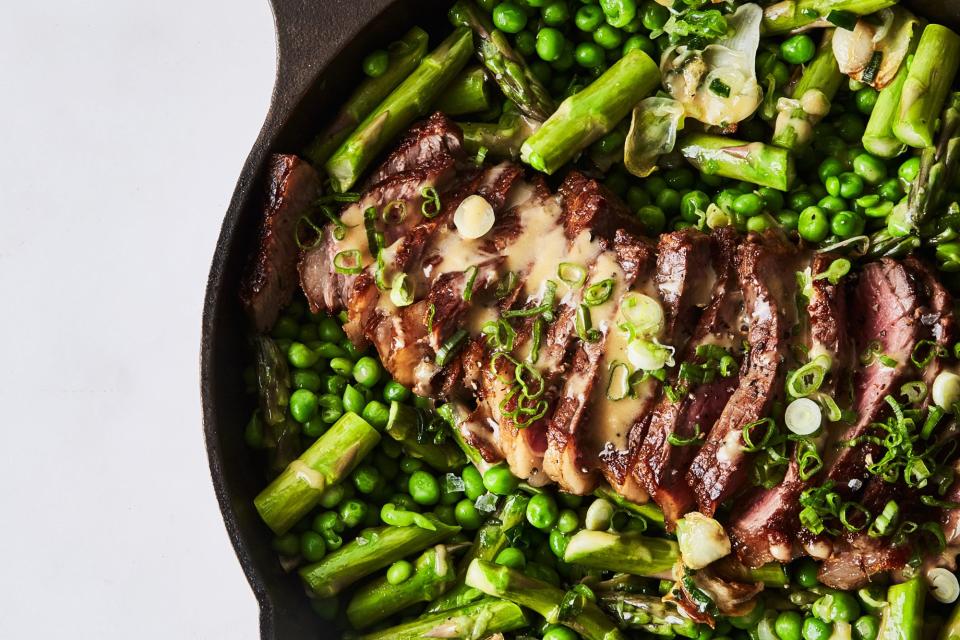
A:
(318, 45)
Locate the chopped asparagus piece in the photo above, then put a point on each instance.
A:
(754, 162)
(951, 630)
(583, 616)
(647, 613)
(330, 459)
(627, 552)
(505, 64)
(402, 427)
(928, 81)
(502, 139)
(372, 550)
(588, 115)
(405, 104)
(878, 138)
(468, 93)
(649, 511)
(433, 574)
(790, 15)
(903, 617)
(938, 168)
(478, 620)
(405, 55)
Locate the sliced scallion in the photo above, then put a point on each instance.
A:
(401, 291)
(347, 262)
(598, 293)
(450, 347)
(572, 274)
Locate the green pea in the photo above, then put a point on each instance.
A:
(556, 13)
(287, 544)
(565, 62)
(881, 210)
(654, 185)
(568, 521)
(589, 55)
(286, 328)
(472, 482)
(509, 17)
(303, 405)
(570, 500)
(353, 512)
(511, 557)
(800, 200)
(409, 465)
(550, 43)
(641, 42)
(843, 607)
(850, 127)
(612, 143)
(652, 218)
(846, 224)
(872, 170)
(814, 629)
(788, 219)
(366, 478)
(608, 37)
(329, 330)
(332, 496)
(588, 17)
(331, 408)
(499, 480)
(308, 333)
(761, 223)
(558, 542)
(805, 573)
(367, 371)
(307, 379)
(866, 100)
(377, 414)
(301, 356)
(813, 225)
(909, 170)
(637, 197)
(890, 190)
(617, 183)
(312, 546)
(467, 515)
(399, 572)
(772, 199)
(525, 43)
(542, 511)
(789, 625)
(353, 400)
(619, 13)
(375, 64)
(559, 632)
(798, 49)
(832, 204)
(424, 488)
(693, 205)
(829, 168)
(680, 179)
(749, 204)
(781, 73)
(541, 70)
(404, 501)
(342, 366)
(866, 628)
(395, 392)
(654, 16)
(314, 427)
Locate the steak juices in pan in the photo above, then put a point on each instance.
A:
(621, 320)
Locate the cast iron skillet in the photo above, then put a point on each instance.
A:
(319, 45)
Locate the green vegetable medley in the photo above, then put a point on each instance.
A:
(829, 119)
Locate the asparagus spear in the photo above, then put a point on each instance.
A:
(506, 65)
(951, 630)
(294, 492)
(369, 552)
(754, 162)
(790, 15)
(455, 414)
(903, 617)
(627, 552)
(273, 389)
(649, 511)
(405, 55)
(647, 613)
(878, 138)
(477, 620)
(928, 81)
(582, 615)
(591, 113)
(433, 574)
(402, 427)
(407, 102)
(938, 168)
(468, 93)
(502, 139)
(811, 98)
(490, 540)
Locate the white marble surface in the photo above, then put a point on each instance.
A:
(123, 126)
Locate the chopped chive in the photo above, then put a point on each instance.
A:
(720, 88)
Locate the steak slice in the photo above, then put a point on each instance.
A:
(685, 280)
(853, 562)
(765, 529)
(437, 136)
(585, 419)
(661, 466)
(271, 277)
(767, 274)
(885, 316)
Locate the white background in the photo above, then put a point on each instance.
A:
(123, 127)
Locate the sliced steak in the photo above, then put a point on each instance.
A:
(585, 419)
(765, 529)
(685, 280)
(437, 136)
(885, 316)
(854, 562)
(271, 278)
(661, 466)
(767, 267)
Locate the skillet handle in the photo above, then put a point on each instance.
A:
(309, 34)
